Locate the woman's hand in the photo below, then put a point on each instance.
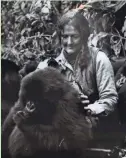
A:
(95, 108)
(84, 99)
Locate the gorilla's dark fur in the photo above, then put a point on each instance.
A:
(10, 86)
(55, 126)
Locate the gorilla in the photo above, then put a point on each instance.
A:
(121, 88)
(30, 66)
(46, 120)
(10, 86)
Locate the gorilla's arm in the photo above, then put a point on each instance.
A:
(68, 123)
(19, 105)
(9, 124)
(35, 132)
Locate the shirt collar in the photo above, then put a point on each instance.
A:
(63, 61)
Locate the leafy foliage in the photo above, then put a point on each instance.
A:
(26, 27)
(29, 27)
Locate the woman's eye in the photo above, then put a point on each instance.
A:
(65, 36)
(72, 36)
(76, 36)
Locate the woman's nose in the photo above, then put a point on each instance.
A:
(69, 40)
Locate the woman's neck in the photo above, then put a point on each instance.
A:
(71, 58)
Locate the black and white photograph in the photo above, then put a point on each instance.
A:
(63, 79)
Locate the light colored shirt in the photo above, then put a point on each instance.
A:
(104, 79)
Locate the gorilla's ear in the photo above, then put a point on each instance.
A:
(31, 66)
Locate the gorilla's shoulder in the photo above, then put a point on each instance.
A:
(49, 72)
(48, 79)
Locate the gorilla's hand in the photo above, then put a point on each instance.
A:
(21, 116)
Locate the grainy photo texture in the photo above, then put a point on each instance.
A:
(63, 79)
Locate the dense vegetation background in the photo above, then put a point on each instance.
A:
(29, 27)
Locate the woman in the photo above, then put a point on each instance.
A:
(88, 69)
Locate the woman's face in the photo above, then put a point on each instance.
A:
(71, 40)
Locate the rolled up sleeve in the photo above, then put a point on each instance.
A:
(108, 96)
